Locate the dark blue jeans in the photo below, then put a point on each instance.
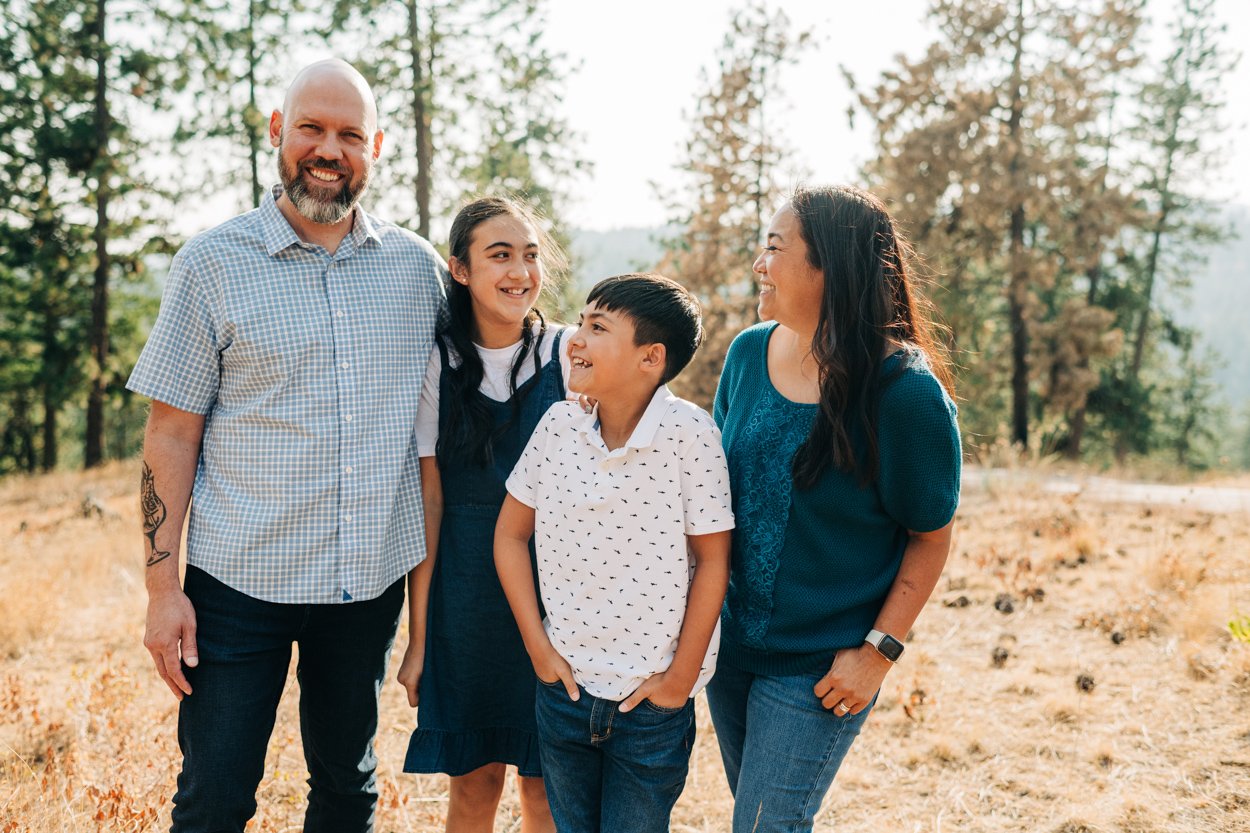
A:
(608, 772)
(225, 724)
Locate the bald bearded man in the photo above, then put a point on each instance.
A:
(285, 370)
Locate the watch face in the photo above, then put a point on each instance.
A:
(890, 648)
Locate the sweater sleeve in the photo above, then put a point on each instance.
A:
(731, 372)
(920, 451)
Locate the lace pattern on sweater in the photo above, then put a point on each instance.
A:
(760, 469)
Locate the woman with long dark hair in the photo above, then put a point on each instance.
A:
(844, 458)
(497, 368)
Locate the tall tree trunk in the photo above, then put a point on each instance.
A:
(1148, 283)
(51, 410)
(1076, 426)
(250, 119)
(19, 435)
(422, 74)
(52, 361)
(93, 453)
(1142, 330)
(1018, 289)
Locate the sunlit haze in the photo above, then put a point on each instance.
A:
(638, 73)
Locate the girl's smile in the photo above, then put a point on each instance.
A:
(504, 275)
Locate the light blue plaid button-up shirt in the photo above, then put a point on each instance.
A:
(307, 367)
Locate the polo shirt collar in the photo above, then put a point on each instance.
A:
(648, 425)
(279, 235)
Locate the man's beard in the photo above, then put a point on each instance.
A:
(312, 206)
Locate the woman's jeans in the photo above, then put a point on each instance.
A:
(608, 771)
(780, 746)
(225, 723)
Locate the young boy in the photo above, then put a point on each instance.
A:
(630, 510)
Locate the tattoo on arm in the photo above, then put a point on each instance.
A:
(153, 514)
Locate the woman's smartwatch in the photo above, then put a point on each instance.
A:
(886, 645)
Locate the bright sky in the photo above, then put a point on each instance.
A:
(639, 75)
(640, 65)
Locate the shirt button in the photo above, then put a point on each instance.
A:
(345, 365)
(339, 313)
(347, 469)
(347, 518)
(347, 418)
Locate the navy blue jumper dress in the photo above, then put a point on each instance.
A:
(476, 696)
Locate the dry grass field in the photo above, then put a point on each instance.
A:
(1074, 673)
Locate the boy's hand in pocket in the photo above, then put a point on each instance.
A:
(551, 668)
(655, 689)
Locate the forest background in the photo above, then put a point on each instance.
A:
(1074, 173)
(1063, 168)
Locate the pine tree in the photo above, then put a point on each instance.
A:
(103, 46)
(464, 119)
(1179, 127)
(733, 168)
(232, 50)
(989, 151)
(45, 289)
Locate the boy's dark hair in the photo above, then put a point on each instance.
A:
(662, 311)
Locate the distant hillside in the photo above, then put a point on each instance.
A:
(598, 254)
(1219, 306)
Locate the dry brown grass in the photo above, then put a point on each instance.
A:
(1109, 700)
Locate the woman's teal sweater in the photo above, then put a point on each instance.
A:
(811, 568)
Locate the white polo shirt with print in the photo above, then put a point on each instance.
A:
(610, 531)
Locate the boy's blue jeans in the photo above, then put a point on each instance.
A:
(781, 747)
(225, 723)
(607, 771)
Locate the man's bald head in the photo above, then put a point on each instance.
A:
(331, 75)
(328, 139)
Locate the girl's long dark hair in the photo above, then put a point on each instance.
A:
(869, 300)
(469, 430)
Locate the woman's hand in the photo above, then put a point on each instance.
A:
(410, 669)
(853, 680)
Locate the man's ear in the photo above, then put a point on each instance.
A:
(654, 358)
(275, 128)
(377, 145)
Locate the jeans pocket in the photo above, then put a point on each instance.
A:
(664, 709)
(553, 684)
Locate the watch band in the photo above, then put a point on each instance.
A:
(886, 645)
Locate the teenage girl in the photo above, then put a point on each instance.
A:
(497, 368)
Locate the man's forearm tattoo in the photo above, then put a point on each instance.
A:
(153, 514)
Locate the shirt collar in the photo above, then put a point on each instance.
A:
(644, 432)
(279, 235)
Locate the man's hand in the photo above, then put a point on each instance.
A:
(410, 669)
(659, 691)
(171, 451)
(171, 630)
